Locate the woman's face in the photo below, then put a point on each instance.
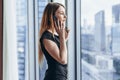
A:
(60, 14)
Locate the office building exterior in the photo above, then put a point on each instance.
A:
(115, 30)
(116, 13)
(100, 44)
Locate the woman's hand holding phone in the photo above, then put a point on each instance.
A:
(67, 31)
(61, 29)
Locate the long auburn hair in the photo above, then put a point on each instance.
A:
(47, 23)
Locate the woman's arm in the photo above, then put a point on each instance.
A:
(59, 55)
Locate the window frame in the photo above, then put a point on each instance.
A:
(78, 44)
(31, 40)
(71, 41)
(36, 38)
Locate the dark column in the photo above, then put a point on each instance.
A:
(1, 39)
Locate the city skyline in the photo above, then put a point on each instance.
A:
(90, 7)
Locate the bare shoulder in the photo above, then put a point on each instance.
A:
(52, 49)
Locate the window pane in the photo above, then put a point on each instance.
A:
(100, 39)
(22, 35)
(41, 6)
(60, 1)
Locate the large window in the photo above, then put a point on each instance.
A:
(27, 38)
(22, 36)
(41, 5)
(100, 39)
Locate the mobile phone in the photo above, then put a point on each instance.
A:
(56, 20)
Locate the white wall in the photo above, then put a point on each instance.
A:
(10, 67)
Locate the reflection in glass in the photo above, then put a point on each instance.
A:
(100, 39)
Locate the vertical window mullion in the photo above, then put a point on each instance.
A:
(27, 47)
(71, 41)
(36, 38)
(78, 51)
(31, 40)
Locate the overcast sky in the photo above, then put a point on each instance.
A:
(90, 7)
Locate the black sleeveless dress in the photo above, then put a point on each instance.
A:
(56, 70)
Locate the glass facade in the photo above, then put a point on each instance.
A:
(22, 30)
(100, 48)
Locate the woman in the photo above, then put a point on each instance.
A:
(53, 37)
